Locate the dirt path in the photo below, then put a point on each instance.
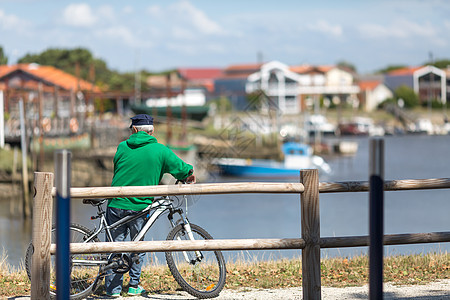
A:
(439, 290)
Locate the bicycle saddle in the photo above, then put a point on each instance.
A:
(94, 201)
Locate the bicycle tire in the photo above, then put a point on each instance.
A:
(84, 278)
(204, 279)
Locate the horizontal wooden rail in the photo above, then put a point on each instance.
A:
(252, 187)
(163, 246)
(389, 239)
(252, 244)
(186, 189)
(389, 185)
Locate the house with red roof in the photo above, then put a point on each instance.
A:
(292, 88)
(185, 78)
(428, 82)
(30, 76)
(372, 93)
(49, 95)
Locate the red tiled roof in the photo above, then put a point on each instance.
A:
(51, 75)
(241, 71)
(199, 73)
(300, 69)
(244, 67)
(369, 84)
(404, 71)
(5, 69)
(303, 69)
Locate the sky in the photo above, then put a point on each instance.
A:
(158, 35)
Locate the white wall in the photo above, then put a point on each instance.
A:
(191, 97)
(376, 96)
(338, 77)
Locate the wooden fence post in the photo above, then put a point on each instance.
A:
(41, 235)
(310, 220)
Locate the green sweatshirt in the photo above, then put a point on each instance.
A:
(142, 161)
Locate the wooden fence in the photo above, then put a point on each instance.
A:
(310, 241)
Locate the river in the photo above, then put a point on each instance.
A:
(278, 216)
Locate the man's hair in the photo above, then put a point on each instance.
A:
(146, 128)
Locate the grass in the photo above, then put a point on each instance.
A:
(273, 274)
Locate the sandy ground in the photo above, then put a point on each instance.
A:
(438, 290)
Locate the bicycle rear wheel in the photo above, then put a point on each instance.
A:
(201, 277)
(84, 268)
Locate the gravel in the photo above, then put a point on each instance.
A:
(438, 290)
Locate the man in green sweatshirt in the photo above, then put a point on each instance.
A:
(139, 161)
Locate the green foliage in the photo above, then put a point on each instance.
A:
(3, 58)
(408, 95)
(222, 104)
(435, 103)
(441, 64)
(104, 105)
(390, 68)
(257, 99)
(63, 59)
(386, 102)
(67, 60)
(346, 65)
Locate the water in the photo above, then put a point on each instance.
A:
(238, 216)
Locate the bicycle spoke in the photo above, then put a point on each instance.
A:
(200, 273)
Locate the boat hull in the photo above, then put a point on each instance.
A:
(257, 171)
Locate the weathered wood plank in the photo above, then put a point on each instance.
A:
(310, 221)
(163, 246)
(392, 185)
(41, 235)
(389, 239)
(187, 189)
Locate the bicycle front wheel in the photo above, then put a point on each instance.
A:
(200, 273)
(84, 268)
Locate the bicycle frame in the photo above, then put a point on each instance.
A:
(157, 208)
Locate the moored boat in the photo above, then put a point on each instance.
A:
(296, 157)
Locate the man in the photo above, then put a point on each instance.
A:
(139, 161)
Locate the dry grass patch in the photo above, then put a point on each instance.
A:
(272, 274)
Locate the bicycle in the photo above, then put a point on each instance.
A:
(200, 273)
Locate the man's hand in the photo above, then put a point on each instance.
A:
(191, 179)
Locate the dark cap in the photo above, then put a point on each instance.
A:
(141, 119)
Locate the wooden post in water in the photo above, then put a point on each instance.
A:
(23, 144)
(41, 235)
(310, 220)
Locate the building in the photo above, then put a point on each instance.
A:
(185, 78)
(232, 83)
(372, 93)
(428, 82)
(279, 83)
(294, 88)
(331, 83)
(49, 96)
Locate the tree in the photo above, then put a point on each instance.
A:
(68, 60)
(441, 64)
(390, 68)
(408, 95)
(346, 66)
(3, 58)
